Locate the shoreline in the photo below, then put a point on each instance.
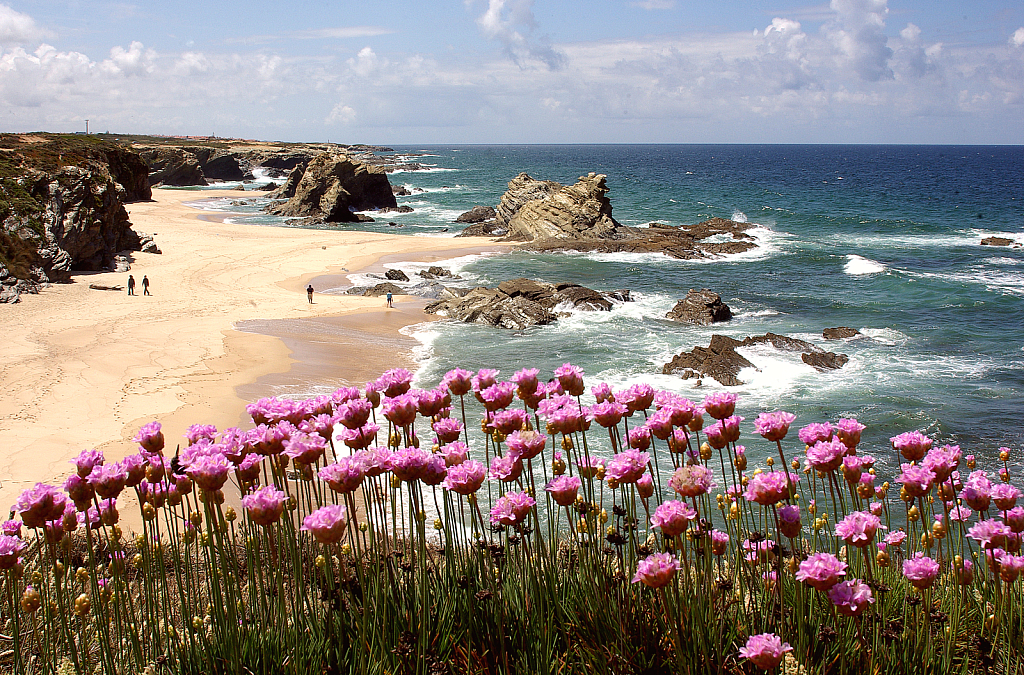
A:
(86, 368)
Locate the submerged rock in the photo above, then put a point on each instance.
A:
(840, 333)
(996, 241)
(519, 303)
(701, 308)
(721, 361)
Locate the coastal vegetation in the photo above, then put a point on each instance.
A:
(580, 530)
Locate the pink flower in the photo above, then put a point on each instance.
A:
(508, 421)
(656, 570)
(108, 480)
(345, 475)
(768, 489)
(210, 472)
(826, 456)
(571, 379)
(775, 425)
(39, 504)
(497, 396)
(989, 533)
(895, 538)
(395, 382)
(821, 571)
(851, 597)
(305, 448)
(408, 464)
(858, 528)
(563, 489)
(135, 466)
(673, 517)
(588, 467)
(265, 506)
(660, 423)
(765, 650)
(602, 392)
(789, 520)
(199, 432)
(639, 438)
(627, 466)
(977, 491)
(720, 404)
(715, 435)
(10, 547)
(433, 401)
(849, 431)
(354, 413)
(636, 397)
(458, 381)
(150, 437)
(327, 524)
(1015, 519)
(79, 490)
(435, 470)
(359, 438)
(506, 469)
(485, 377)
(455, 453)
(942, 461)
(447, 429)
(719, 542)
(692, 481)
(1005, 496)
(964, 572)
(512, 508)
(401, 410)
(86, 460)
(526, 382)
(343, 395)
(912, 445)
(853, 467)
(12, 528)
(814, 432)
(645, 486)
(917, 480)
(608, 414)
(920, 570)
(1010, 567)
(466, 477)
(525, 444)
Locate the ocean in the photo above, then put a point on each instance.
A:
(883, 239)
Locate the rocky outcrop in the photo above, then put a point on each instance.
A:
(477, 214)
(173, 166)
(553, 217)
(840, 333)
(721, 361)
(488, 229)
(435, 272)
(333, 187)
(996, 241)
(701, 308)
(218, 164)
(395, 275)
(519, 303)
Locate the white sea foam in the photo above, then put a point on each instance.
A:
(858, 265)
(739, 216)
(756, 313)
(994, 281)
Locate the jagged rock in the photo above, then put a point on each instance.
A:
(400, 191)
(701, 308)
(269, 187)
(840, 333)
(489, 229)
(334, 187)
(825, 360)
(621, 295)
(518, 303)
(362, 218)
(287, 189)
(396, 209)
(173, 166)
(435, 272)
(219, 164)
(151, 247)
(379, 289)
(535, 210)
(396, 275)
(721, 361)
(996, 241)
(9, 295)
(477, 214)
(122, 263)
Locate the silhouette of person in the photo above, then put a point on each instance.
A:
(145, 285)
(309, 293)
(131, 285)
(389, 299)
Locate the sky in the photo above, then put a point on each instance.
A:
(408, 72)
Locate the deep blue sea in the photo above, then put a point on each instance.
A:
(884, 239)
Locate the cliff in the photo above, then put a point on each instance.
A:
(332, 187)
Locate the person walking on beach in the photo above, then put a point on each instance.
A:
(389, 299)
(131, 285)
(309, 293)
(145, 285)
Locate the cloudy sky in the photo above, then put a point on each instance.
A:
(520, 71)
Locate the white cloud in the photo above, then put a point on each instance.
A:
(654, 4)
(136, 60)
(1017, 39)
(503, 20)
(18, 29)
(858, 32)
(341, 113)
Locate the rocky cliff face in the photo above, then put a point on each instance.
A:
(173, 166)
(533, 209)
(332, 187)
(62, 207)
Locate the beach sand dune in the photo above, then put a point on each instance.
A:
(84, 368)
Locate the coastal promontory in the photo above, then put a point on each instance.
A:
(332, 187)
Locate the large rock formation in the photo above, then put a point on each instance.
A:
(173, 166)
(701, 308)
(553, 217)
(520, 303)
(477, 214)
(332, 187)
(62, 207)
(721, 361)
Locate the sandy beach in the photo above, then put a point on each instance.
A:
(85, 368)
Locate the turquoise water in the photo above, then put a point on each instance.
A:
(884, 239)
